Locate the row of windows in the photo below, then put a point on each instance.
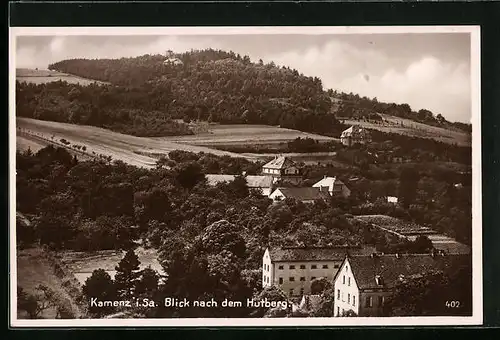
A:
(369, 301)
(266, 279)
(348, 297)
(266, 267)
(301, 291)
(292, 279)
(303, 266)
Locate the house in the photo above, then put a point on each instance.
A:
(334, 186)
(263, 184)
(172, 61)
(293, 268)
(363, 283)
(304, 195)
(355, 135)
(392, 199)
(282, 168)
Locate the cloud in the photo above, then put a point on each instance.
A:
(425, 82)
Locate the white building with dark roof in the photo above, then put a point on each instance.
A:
(364, 283)
(281, 168)
(334, 186)
(304, 194)
(294, 268)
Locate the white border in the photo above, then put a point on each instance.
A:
(477, 284)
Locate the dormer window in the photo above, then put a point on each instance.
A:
(379, 280)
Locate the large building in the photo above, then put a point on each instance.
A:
(363, 283)
(355, 135)
(263, 184)
(293, 269)
(282, 168)
(334, 186)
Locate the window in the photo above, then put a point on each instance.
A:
(348, 298)
(354, 300)
(368, 302)
(343, 279)
(313, 278)
(280, 267)
(346, 268)
(281, 280)
(302, 266)
(292, 279)
(338, 311)
(348, 281)
(338, 294)
(292, 267)
(336, 266)
(302, 278)
(325, 266)
(381, 300)
(291, 291)
(301, 291)
(313, 266)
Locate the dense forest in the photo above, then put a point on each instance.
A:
(226, 87)
(94, 205)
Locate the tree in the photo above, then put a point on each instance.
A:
(409, 178)
(100, 287)
(147, 285)
(29, 303)
(188, 174)
(422, 244)
(127, 274)
(320, 285)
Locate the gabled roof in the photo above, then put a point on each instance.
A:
(280, 162)
(391, 268)
(305, 254)
(328, 182)
(354, 130)
(253, 181)
(303, 194)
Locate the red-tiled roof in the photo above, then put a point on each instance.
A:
(391, 268)
(305, 254)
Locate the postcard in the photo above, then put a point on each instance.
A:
(245, 176)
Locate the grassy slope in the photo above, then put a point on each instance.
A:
(37, 267)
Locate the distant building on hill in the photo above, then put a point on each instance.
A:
(263, 184)
(355, 135)
(364, 283)
(334, 186)
(282, 168)
(294, 268)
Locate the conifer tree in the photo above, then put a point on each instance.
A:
(127, 274)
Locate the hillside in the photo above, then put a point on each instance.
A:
(37, 267)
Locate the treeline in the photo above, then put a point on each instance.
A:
(130, 111)
(354, 106)
(218, 86)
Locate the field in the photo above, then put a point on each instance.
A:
(82, 264)
(242, 134)
(47, 76)
(414, 129)
(101, 141)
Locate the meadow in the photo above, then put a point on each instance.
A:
(46, 76)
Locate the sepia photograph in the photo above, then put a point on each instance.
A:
(245, 176)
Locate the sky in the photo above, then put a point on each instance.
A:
(426, 70)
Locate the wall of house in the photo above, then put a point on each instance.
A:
(372, 302)
(302, 273)
(291, 171)
(277, 195)
(346, 291)
(267, 270)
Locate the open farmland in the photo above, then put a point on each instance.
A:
(47, 76)
(129, 149)
(243, 134)
(82, 264)
(415, 129)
